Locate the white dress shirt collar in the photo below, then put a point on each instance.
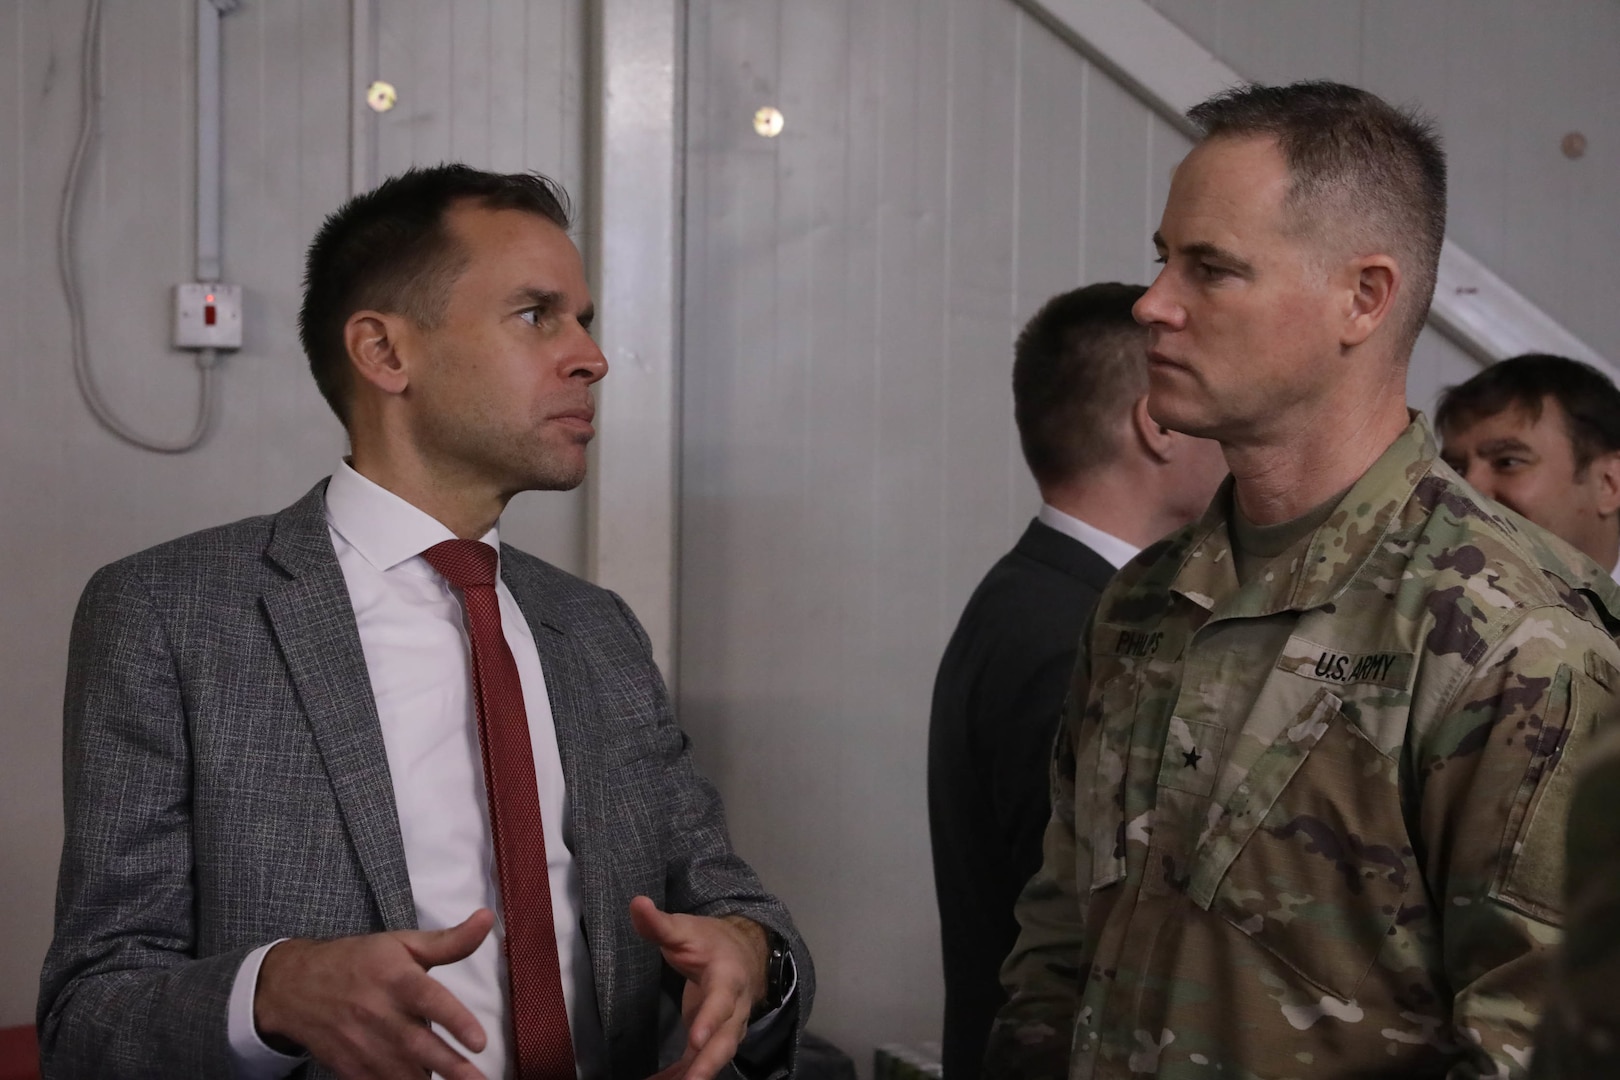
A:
(1115, 552)
(384, 528)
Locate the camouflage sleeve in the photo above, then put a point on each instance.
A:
(1042, 975)
(1494, 773)
(1580, 1034)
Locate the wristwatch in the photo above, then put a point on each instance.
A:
(778, 974)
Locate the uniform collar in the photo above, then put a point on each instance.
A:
(1335, 554)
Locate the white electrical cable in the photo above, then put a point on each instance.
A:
(89, 104)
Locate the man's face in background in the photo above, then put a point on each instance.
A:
(1528, 463)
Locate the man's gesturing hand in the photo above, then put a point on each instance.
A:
(723, 961)
(361, 1005)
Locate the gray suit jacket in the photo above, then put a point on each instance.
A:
(226, 785)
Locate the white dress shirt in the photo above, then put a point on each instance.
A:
(413, 634)
(1117, 552)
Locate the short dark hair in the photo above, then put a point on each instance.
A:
(1077, 365)
(1590, 402)
(389, 250)
(1378, 170)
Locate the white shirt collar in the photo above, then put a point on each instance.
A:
(1615, 573)
(384, 528)
(1114, 550)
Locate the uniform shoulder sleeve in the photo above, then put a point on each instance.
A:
(1580, 1033)
(1495, 774)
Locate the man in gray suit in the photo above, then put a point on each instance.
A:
(291, 786)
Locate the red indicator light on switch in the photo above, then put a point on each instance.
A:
(208, 315)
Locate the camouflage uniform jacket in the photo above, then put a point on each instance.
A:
(1311, 827)
(1580, 1035)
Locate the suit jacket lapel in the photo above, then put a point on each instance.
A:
(568, 689)
(314, 626)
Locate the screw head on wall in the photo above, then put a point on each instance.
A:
(381, 96)
(768, 121)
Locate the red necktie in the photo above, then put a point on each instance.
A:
(543, 1048)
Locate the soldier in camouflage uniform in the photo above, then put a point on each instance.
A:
(1580, 1037)
(1310, 789)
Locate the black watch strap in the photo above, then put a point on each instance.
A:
(778, 971)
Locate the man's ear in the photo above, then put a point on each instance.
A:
(1156, 440)
(1607, 477)
(1374, 282)
(372, 340)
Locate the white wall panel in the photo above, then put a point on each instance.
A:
(1293, 40)
(980, 210)
(850, 464)
(1117, 186)
(495, 83)
(1049, 215)
(1050, 166)
(1437, 364)
(502, 84)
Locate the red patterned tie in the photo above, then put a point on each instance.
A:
(543, 1048)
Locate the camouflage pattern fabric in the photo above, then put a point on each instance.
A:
(1311, 827)
(1580, 1036)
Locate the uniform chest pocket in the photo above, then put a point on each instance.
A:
(1310, 857)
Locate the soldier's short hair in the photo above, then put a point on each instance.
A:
(1364, 172)
(389, 250)
(1077, 366)
(1589, 399)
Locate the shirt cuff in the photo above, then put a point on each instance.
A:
(251, 1058)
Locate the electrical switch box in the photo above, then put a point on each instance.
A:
(208, 315)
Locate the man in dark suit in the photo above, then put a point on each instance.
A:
(312, 755)
(1111, 481)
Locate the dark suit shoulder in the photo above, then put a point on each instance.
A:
(1017, 605)
(1024, 616)
(1044, 587)
(1045, 545)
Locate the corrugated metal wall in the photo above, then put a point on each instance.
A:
(496, 82)
(853, 288)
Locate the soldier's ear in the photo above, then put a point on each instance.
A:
(1372, 284)
(1155, 439)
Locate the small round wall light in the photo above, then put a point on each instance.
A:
(768, 121)
(381, 96)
